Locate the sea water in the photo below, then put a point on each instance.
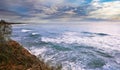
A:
(79, 46)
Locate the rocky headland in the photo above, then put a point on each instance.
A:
(14, 56)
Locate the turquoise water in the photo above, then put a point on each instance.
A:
(81, 46)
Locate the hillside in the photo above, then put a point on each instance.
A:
(14, 56)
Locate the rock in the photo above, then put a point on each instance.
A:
(5, 31)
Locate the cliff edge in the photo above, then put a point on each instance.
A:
(13, 56)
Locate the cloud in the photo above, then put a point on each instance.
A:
(61, 10)
(107, 10)
(9, 15)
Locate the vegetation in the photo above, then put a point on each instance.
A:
(14, 57)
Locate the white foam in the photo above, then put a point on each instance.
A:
(71, 66)
(35, 33)
(108, 42)
(117, 58)
(25, 30)
(37, 51)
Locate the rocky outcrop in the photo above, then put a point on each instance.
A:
(14, 57)
(5, 31)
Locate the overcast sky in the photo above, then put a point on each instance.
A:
(59, 10)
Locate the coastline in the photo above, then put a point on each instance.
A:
(13, 56)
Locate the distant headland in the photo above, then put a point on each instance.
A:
(5, 31)
(5, 22)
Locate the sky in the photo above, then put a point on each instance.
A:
(59, 10)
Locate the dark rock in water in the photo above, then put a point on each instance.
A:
(87, 32)
(104, 54)
(90, 34)
(96, 63)
(102, 34)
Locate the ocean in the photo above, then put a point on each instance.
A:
(74, 46)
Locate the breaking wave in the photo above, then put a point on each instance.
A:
(106, 42)
(72, 49)
(77, 52)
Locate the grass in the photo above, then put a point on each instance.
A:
(14, 57)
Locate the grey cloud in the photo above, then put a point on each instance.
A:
(49, 9)
(41, 9)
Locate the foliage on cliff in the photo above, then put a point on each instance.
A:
(14, 57)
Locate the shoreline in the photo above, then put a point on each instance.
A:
(13, 56)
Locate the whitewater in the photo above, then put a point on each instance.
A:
(89, 46)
